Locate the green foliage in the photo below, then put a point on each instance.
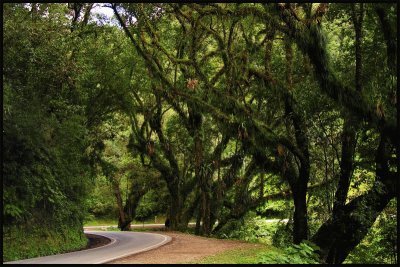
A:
(151, 205)
(101, 201)
(35, 241)
(304, 253)
(283, 235)
(380, 244)
(276, 208)
(45, 169)
(251, 228)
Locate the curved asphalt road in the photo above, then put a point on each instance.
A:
(122, 244)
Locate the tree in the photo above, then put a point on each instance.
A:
(303, 26)
(45, 169)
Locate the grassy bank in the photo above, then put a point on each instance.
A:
(236, 256)
(265, 254)
(24, 243)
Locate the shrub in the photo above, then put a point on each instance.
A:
(251, 228)
(304, 253)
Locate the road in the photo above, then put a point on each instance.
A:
(122, 244)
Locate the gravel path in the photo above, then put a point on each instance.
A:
(184, 248)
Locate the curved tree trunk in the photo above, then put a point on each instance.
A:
(124, 218)
(342, 233)
(298, 184)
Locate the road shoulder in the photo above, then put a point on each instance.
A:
(183, 248)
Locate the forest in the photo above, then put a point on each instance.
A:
(220, 114)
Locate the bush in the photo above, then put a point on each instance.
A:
(283, 235)
(250, 228)
(304, 253)
(22, 243)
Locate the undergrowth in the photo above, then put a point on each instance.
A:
(24, 243)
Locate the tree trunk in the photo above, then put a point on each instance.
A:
(124, 225)
(348, 226)
(346, 164)
(299, 185)
(389, 32)
(300, 224)
(123, 222)
(175, 205)
(198, 222)
(339, 236)
(358, 18)
(206, 226)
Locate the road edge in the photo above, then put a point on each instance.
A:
(166, 240)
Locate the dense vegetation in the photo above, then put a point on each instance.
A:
(220, 114)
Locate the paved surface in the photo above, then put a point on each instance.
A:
(122, 244)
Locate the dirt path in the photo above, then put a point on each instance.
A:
(184, 248)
